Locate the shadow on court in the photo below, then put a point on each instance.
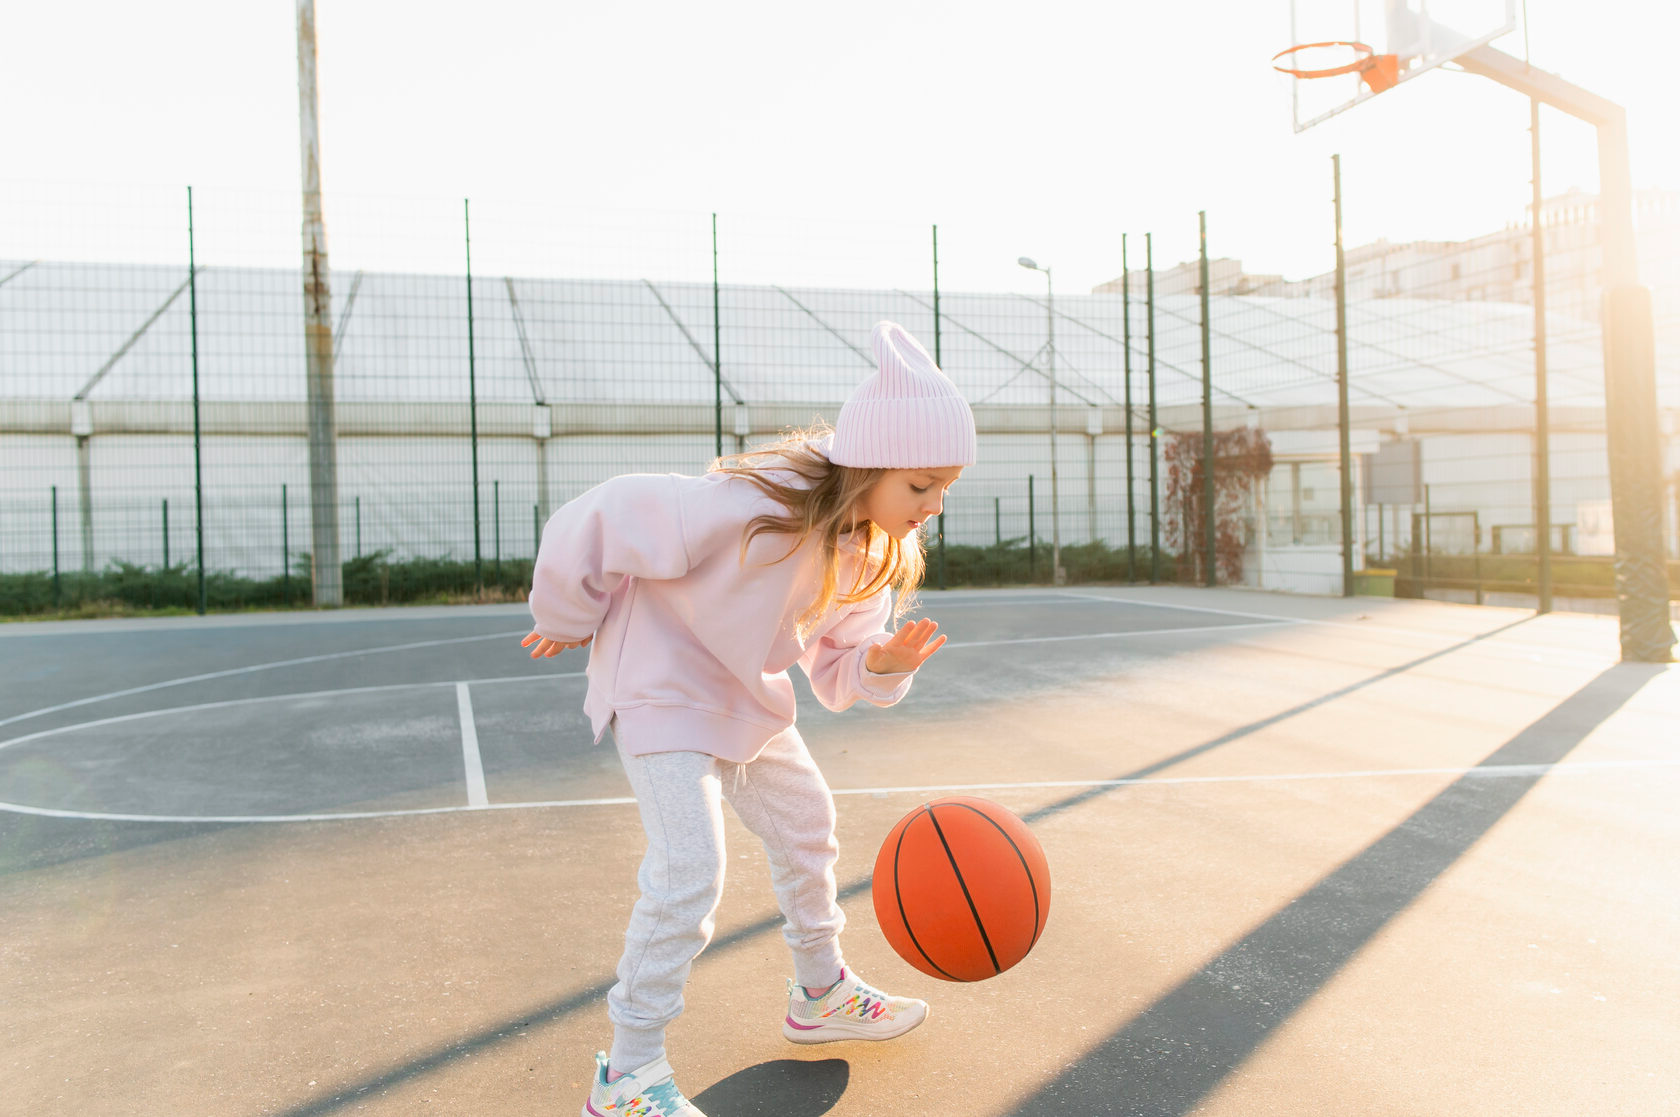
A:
(1185, 1044)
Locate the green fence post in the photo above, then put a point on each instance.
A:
(536, 530)
(166, 533)
(1210, 505)
(1476, 552)
(472, 404)
(496, 511)
(997, 520)
(285, 551)
(717, 342)
(1032, 533)
(1154, 420)
(358, 527)
(936, 353)
(1126, 333)
(1542, 405)
(57, 590)
(198, 454)
(1344, 421)
(941, 549)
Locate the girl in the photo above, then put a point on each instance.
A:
(699, 593)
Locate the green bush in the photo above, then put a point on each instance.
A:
(1572, 575)
(1014, 563)
(124, 588)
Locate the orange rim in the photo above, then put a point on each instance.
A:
(1378, 71)
(1364, 61)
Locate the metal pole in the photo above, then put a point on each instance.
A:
(472, 406)
(717, 341)
(1126, 315)
(198, 447)
(326, 576)
(84, 494)
(1542, 419)
(536, 530)
(496, 513)
(1630, 395)
(1343, 412)
(1154, 421)
(1210, 508)
(936, 354)
(166, 533)
(997, 520)
(358, 526)
(285, 551)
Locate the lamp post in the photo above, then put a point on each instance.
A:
(1057, 574)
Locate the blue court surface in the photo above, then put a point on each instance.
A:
(1308, 856)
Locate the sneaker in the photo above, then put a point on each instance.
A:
(850, 1010)
(648, 1091)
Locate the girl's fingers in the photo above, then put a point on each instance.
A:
(525, 643)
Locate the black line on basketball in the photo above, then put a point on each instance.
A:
(903, 916)
(984, 938)
(1031, 882)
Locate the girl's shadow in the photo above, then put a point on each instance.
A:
(780, 1088)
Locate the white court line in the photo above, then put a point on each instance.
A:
(954, 644)
(254, 667)
(1186, 608)
(535, 678)
(1113, 635)
(476, 795)
(1432, 634)
(1493, 771)
(267, 698)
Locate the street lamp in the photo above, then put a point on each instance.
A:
(1057, 575)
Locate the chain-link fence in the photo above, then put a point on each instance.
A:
(156, 418)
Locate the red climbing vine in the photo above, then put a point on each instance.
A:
(1239, 458)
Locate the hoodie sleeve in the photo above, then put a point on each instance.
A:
(629, 527)
(834, 663)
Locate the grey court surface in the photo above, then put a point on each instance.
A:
(1309, 857)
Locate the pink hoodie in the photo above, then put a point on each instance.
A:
(693, 644)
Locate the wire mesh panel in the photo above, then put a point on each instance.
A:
(490, 361)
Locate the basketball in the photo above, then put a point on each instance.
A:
(961, 888)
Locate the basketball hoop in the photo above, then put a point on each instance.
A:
(1377, 71)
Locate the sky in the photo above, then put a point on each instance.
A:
(599, 138)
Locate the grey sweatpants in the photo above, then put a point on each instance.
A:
(784, 800)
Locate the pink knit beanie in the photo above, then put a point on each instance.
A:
(908, 415)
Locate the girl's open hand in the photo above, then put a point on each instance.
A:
(907, 650)
(548, 649)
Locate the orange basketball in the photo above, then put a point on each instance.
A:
(961, 888)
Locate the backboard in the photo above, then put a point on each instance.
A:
(1421, 34)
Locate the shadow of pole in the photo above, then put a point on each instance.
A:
(1263, 723)
(1184, 1045)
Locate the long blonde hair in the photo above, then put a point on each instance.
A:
(823, 503)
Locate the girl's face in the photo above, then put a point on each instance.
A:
(905, 499)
